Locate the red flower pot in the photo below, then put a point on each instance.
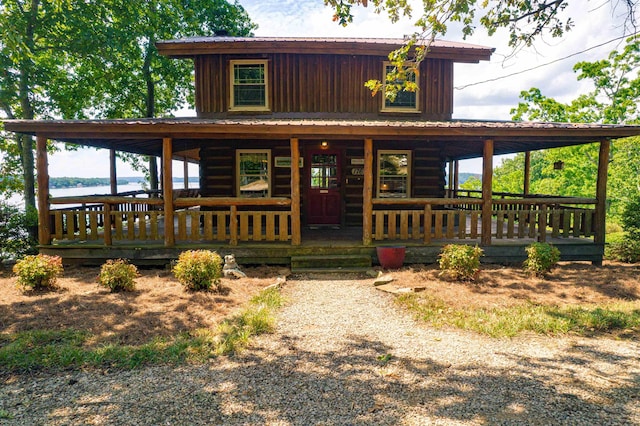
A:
(391, 257)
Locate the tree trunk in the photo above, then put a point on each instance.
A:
(150, 101)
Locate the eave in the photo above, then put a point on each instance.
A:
(191, 47)
(456, 139)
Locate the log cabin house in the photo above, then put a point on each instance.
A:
(300, 165)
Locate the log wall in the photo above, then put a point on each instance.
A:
(218, 170)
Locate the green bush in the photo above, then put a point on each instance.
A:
(631, 218)
(14, 236)
(460, 262)
(625, 250)
(198, 269)
(541, 258)
(38, 271)
(118, 275)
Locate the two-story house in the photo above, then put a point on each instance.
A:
(297, 158)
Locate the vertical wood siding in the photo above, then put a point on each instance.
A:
(324, 84)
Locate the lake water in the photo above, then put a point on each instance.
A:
(17, 200)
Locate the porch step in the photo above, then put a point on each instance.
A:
(337, 262)
(329, 271)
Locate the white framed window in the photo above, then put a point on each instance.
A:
(394, 174)
(253, 173)
(249, 80)
(405, 101)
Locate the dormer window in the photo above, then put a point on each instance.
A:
(249, 85)
(405, 101)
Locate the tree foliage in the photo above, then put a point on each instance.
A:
(613, 100)
(525, 21)
(79, 59)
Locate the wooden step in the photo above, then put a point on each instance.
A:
(330, 271)
(330, 262)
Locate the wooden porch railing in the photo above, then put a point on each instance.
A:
(141, 219)
(427, 219)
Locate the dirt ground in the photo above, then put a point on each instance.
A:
(161, 307)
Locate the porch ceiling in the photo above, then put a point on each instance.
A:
(458, 139)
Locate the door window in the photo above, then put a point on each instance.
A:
(324, 171)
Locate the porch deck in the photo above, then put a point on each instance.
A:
(346, 241)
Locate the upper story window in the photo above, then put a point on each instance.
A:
(253, 173)
(405, 101)
(394, 174)
(249, 85)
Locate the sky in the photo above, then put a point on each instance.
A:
(474, 97)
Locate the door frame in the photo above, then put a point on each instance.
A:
(307, 182)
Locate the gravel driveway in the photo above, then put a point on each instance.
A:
(344, 355)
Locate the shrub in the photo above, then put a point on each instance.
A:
(14, 236)
(38, 271)
(541, 258)
(625, 250)
(198, 269)
(631, 218)
(461, 262)
(118, 275)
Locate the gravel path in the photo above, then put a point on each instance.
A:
(344, 355)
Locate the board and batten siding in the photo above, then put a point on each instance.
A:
(330, 84)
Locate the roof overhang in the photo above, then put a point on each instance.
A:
(194, 46)
(458, 139)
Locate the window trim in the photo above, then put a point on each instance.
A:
(239, 153)
(379, 155)
(232, 105)
(384, 107)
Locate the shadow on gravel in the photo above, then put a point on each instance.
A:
(359, 383)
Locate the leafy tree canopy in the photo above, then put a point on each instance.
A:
(613, 100)
(79, 59)
(525, 21)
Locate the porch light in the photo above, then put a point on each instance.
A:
(324, 144)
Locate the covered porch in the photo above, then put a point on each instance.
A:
(271, 229)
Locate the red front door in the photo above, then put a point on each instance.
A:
(324, 200)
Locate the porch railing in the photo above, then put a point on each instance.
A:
(142, 219)
(427, 219)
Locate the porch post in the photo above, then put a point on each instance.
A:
(295, 192)
(487, 180)
(527, 172)
(167, 191)
(42, 167)
(450, 180)
(601, 192)
(113, 178)
(456, 177)
(185, 174)
(367, 193)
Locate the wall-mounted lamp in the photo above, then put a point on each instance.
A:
(324, 144)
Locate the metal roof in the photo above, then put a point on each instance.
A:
(457, 139)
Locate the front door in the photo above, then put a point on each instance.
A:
(324, 200)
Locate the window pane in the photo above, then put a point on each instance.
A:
(393, 175)
(249, 85)
(324, 171)
(254, 174)
(404, 99)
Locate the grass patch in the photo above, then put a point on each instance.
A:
(59, 350)
(541, 319)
